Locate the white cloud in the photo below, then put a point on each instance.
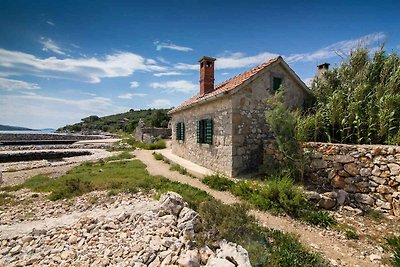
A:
(151, 61)
(131, 95)
(225, 73)
(50, 45)
(134, 84)
(160, 103)
(169, 73)
(308, 81)
(342, 48)
(119, 64)
(184, 66)
(176, 86)
(171, 46)
(240, 60)
(38, 111)
(11, 85)
(51, 23)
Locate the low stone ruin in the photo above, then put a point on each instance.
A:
(150, 134)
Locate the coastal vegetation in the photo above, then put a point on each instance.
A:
(356, 102)
(123, 122)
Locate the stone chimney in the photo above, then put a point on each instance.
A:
(321, 68)
(206, 75)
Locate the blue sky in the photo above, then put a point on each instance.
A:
(61, 61)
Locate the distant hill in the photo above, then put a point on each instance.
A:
(14, 128)
(126, 122)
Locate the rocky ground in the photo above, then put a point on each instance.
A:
(101, 230)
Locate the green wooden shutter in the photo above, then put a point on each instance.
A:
(182, 131)
(209, 131)
(177, 131)
(198, 132)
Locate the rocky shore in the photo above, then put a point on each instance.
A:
(132, 230)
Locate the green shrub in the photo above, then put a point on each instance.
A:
(265, 247)
(394, 243)
(159, 144)
(351, 234)
(121, 156)
(158, 156)
(218, 182)
(317, 217)
(6, 198)
(281, 195)
(178, 168)
(72, 187)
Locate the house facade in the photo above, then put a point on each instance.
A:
(223, 127)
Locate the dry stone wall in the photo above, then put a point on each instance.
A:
(368, 175)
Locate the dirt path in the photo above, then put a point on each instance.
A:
(337, 251)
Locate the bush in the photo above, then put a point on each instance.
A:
(318, 217)
(178, 168)
(357, 102)
(158, 156)
(159, 144)
(72, 187)
(218, 182)
(351, 234)
(265, 247)
(394, 243)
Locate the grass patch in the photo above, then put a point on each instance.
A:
(279, 195)
(218, 182)
(121, 156)
(266, 247)
(129, 176)
(351, 233)
(158, 144)
(394, 243)
(158, 156)
(6, 199)
(374, 214)
(178, 168)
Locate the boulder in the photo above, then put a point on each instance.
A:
(338, 182)
(394, 169)
(343, 158)
(171, 203)
(230, 254)
(364, 199)
(327, 201)
(352, 169)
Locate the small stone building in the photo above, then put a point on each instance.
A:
(223, 126)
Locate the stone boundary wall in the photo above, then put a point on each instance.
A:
(149, 135)
(40, 155)
(368, 175)
(49, 136)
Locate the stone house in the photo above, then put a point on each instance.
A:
(223, 127)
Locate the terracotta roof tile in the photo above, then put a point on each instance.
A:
(225, 86)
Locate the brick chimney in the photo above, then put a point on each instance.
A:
(206, 75)
(321, 68)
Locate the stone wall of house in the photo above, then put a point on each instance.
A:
(218, 156)
(248, 117)
(367, 175)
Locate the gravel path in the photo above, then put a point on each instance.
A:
(324, 241)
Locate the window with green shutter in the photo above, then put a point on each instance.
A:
(276, 83)
(180, 131)
(205, 131)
